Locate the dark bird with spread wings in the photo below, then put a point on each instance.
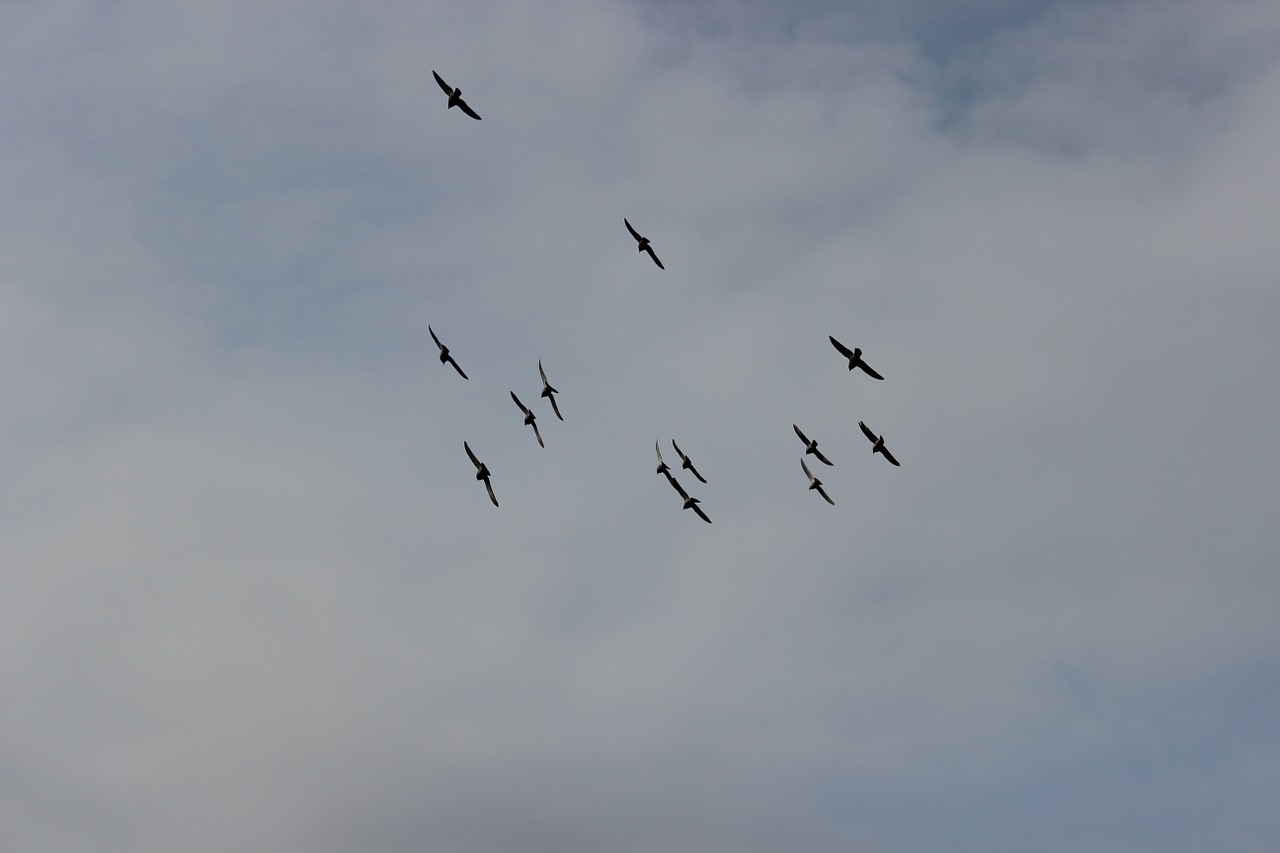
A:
(445, 358)
(686, 463)
(529, 419)
(643, 244)
(855, 358)
(663, 468)
(482, 473)
(548, 391)
(816, 484)
(689, 503)
(455, 97)
(877, 443)
(811, 446)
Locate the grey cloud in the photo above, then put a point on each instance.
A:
(255, 599)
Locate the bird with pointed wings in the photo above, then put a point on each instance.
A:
(855, 358)
(877, 443)
(643, 244)
(529, 418)
(663, 468)
(445, 357)
(816, 484)
(811, 446)
(548, 391)
(689, 503)
(455, 97)
(686, 463)
(482, 473)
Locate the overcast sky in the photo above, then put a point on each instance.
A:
(253, 598)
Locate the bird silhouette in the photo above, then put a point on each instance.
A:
(643, 244)
(548, 391)
(482, 473)
(855, 358)
(689, 503)
(816, 484)
(663, 468)
(529, 418)
(686, 463)
(811, 446)
(877, 443)
(455, 97)
(445, 358)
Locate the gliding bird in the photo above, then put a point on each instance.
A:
(686, 463)
(663, 468)
(855, 358)
(529, 419)
(455, 97)
(482, 473)
(644, 244)
(816, 484)
(689, 503)
(811, 446)
(445, 358)
(548, 391)
(877, 443)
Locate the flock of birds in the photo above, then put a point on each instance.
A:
(530, 419)
(643, 244)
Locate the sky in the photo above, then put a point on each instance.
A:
(254, 598)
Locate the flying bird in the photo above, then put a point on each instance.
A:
(455, 97)
(816, 484)
(548, 391)
(663, 468)
(482, 473)
(811, 446)
(445, 358)
(877, 443)
(689, 503)
(687, 463)
(855, 358)
(529, 419)
(644, 244)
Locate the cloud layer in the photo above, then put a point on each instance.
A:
(254, 598)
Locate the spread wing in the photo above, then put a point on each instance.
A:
(799, 433)
(448, 90)
(649, 249)
(659, 450)
(456, 367)
(679, 488)
(489, 488)
(537, 434)
(434, 338)
(634, 232)
(822, 492)
(694, 471)
(866, 430)
(548, 391)
(888, 455)
(702, 515)
(866, 368)
(844, 350)
(679, 452)
(806, 470)
(474, 460)
(824, 460)
(518, 403)
(462, 105)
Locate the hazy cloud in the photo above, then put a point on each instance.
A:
(255, 599)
